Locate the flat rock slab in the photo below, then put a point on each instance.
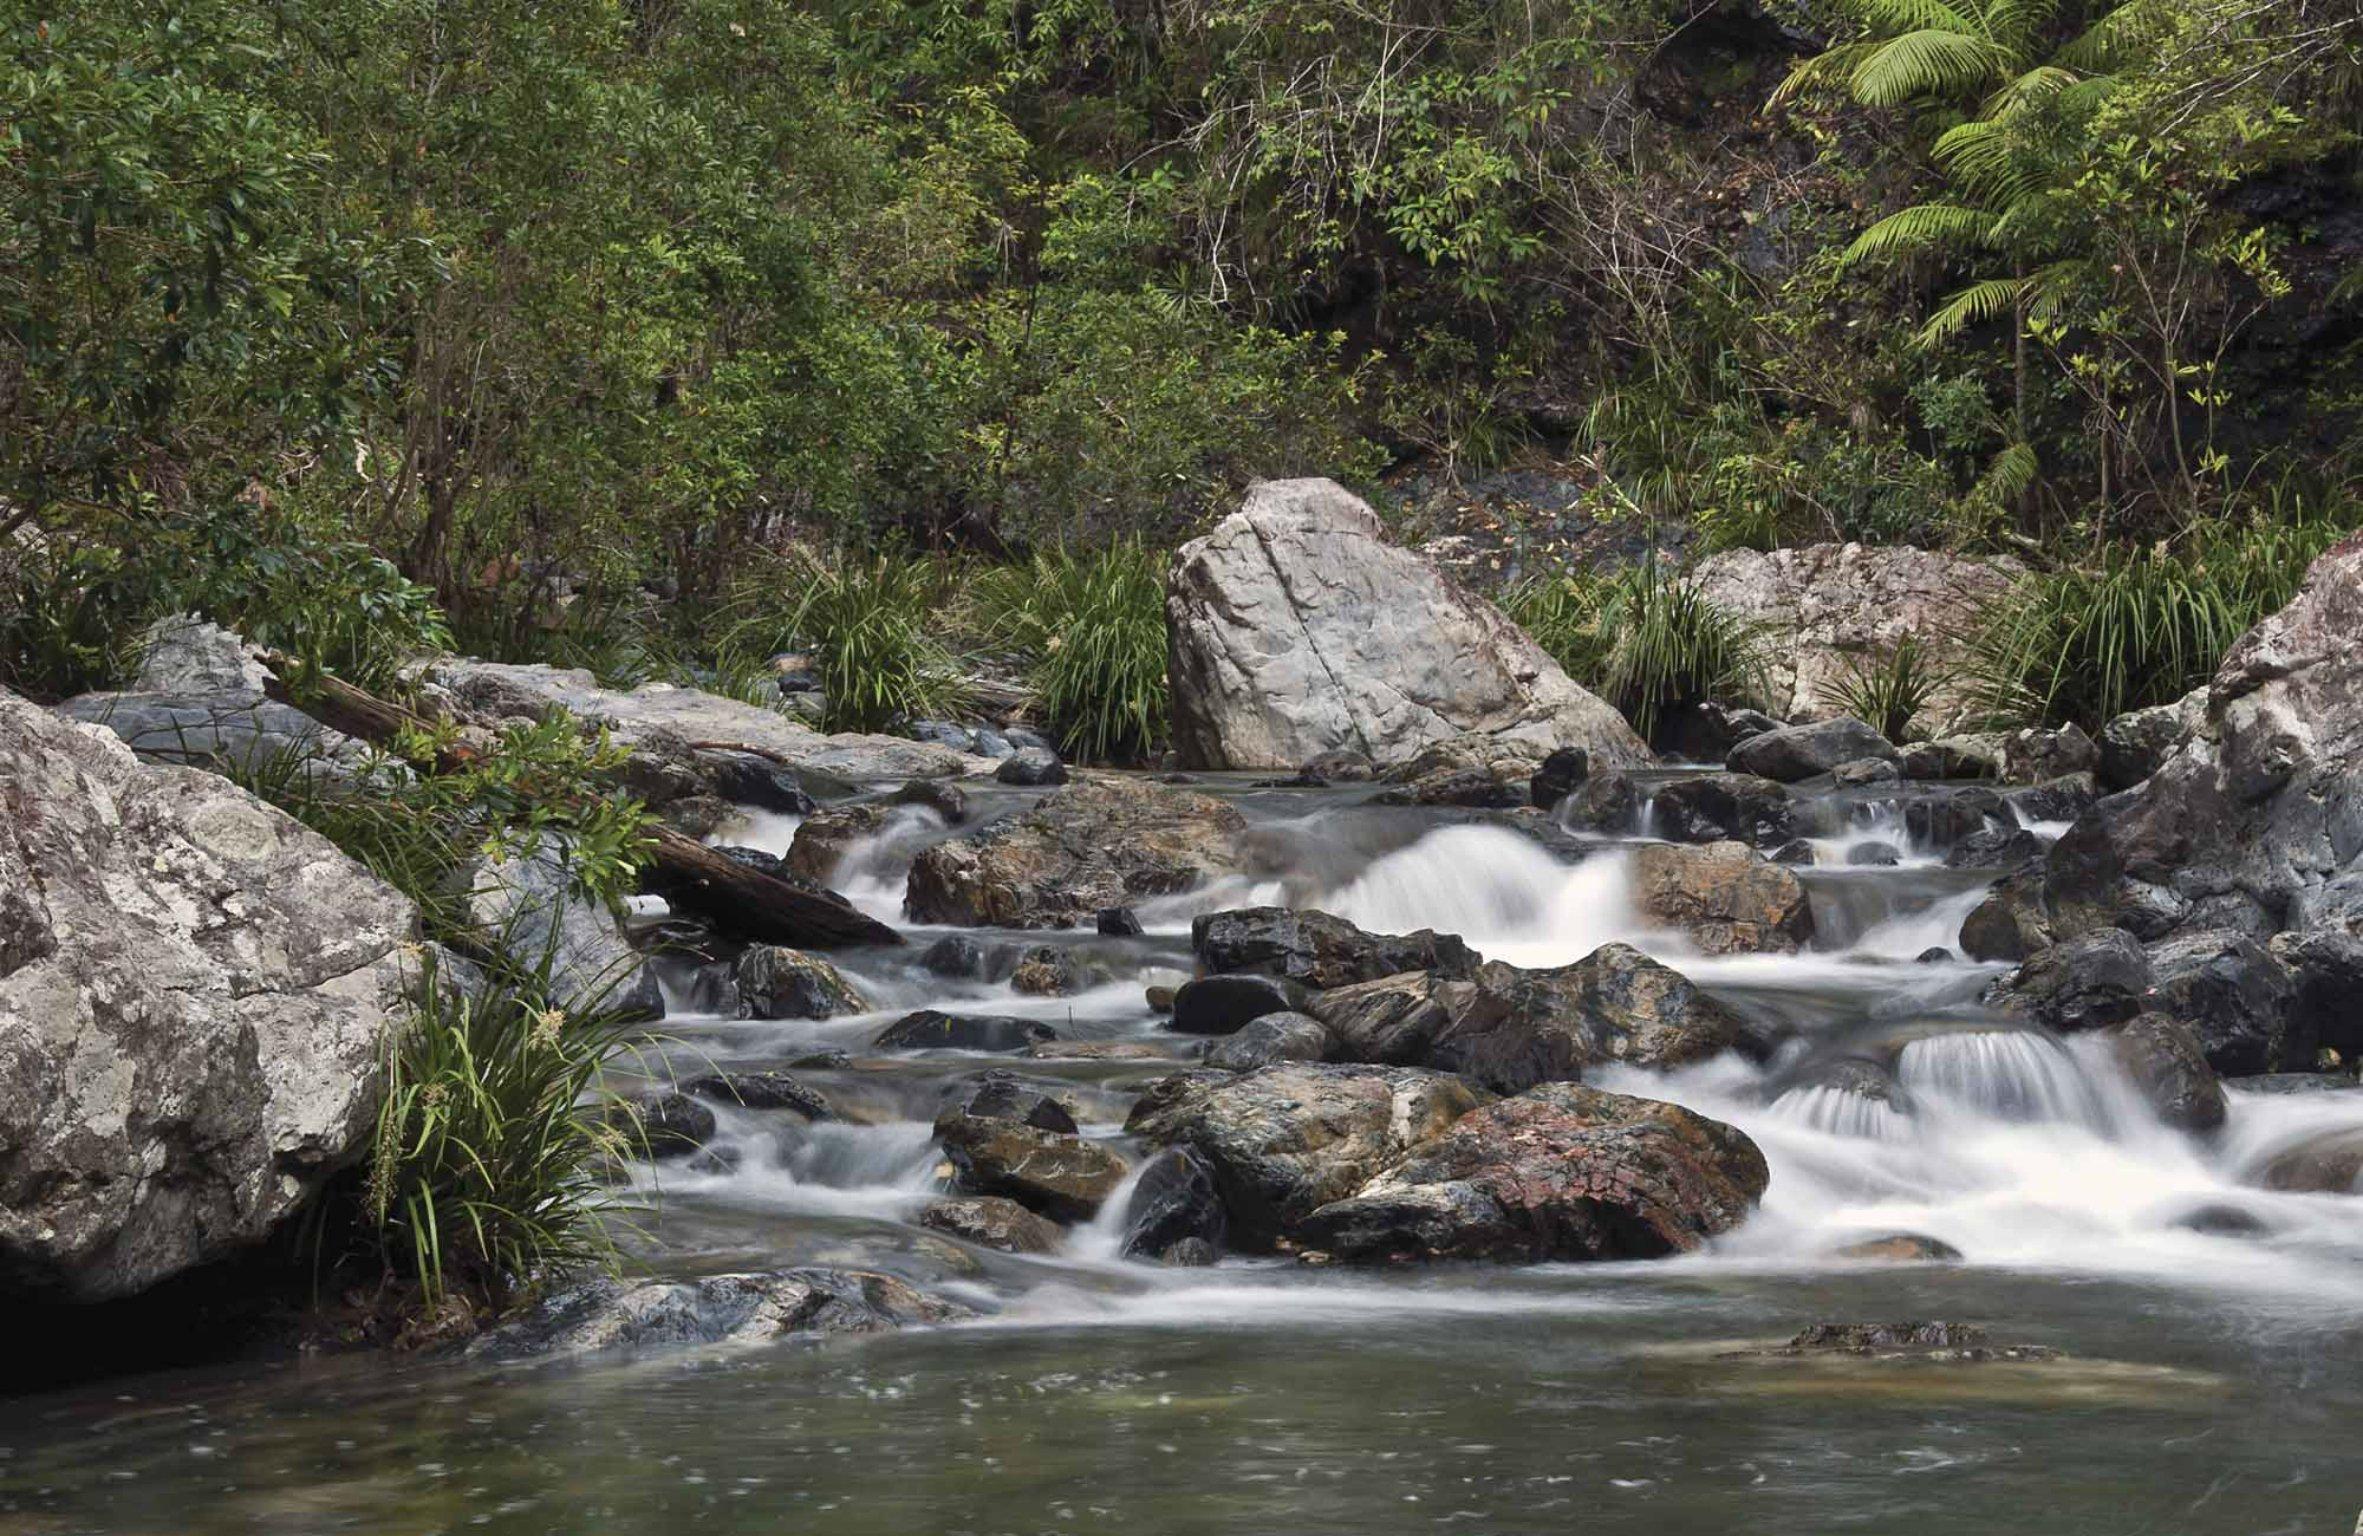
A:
(612, 1314)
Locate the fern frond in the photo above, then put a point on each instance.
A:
(2121, 37)
(1973, 305)
(2023, 91)
(1986, 160)
(1924, 64)
(1831, 68)
(1891, 17)
(2018, 24)
(2008, 476)
(1919, 227)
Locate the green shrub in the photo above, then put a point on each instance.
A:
(1645, 639)
(1092, 627)
(870, 623)
(1889, 691)
(488, 1170)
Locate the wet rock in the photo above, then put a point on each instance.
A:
(2325, 967)
(2299, 1082)
(1174, 1205)
(2133, 746)
(2084, 983)
(1873, 856)
(1222, 1005)
(2034, 756)
(1865, 770)
(2012, 922)
(1934, 954)
(929, 1030)
(1941, 819)
(1317, 949)
(777, 983)
(1118, 923)
(2217, 1219)
(2167, 1061)
(1955, 1342)
(955, 956)
(762, 1090)
(2061, 799)
(1100, 1050)
(1797, 752)
(945, 799)
(1191, 1253)
(667, 1124)
(1342, 765)
(2326, 1163)
(2233, 993)
(1033, 767)
(1274, 1037)
(1510, 1028)
(615, 1314)
(526, 908)
(1047, 971)
(1795, 853)
(1828, 610)
(990, 1221)
(1296, 630)
(757, 859)
(1097, 843)
(711, 988)
(1605, 802)
(1059, 1174)
(1159, 999)
(1954, 757)
(1558, 777)
(1560, 1172)
(824, 838)
(1002, 1095)
(1391, 1021)
(1995, 848)
(1725, 896)
(750, 781)
(196, 994)
(1470, 788)
(1715, 807)
(1900, 1247)
(1284, 1141)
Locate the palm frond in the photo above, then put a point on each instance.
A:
(1927, 63)
(1829, 68)
(2007, 478)
(1973, 305)
(1918, 228)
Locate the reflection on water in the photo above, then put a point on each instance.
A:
(2213, 1384)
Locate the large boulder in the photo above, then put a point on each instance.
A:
(1270, 1038)
(2234, 995)
(195, 994)
(1100, 842)
(1797, 752)
(1282, 1142)
(1560, 1172)
(525, 907)
(2082, 983)
(616, 1314)
(1296, 629)
(1319, 950)
(198, 698)
(1829, 609)
(1727, 897)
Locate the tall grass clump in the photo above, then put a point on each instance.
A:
(1889, 691)
(488, 1170)
(2137, 628)
(1646, 639)
(870, 623)
(1092, 628)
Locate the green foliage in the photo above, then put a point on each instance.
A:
(1092, 627)
(1646, 639)
(2124, 631)
(871, 624)
(488, 1171)
(1888, 692)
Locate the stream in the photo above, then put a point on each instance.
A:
(2213, 1330)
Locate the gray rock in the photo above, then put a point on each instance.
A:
(613, 1314)
(777, 983)
(1865, 770)
(1059, 1174)
(1274, 1037)
(2061, 799)
(1797, 752)
(2034, 756)
(992, 1221)
(2082, 983)
(1941, 818)
(2135, 745)
(195, 992)
(1605, 802)
(1033, 767)
(929, 1030)
(1558, 777)
(1954, 757)
(524, 907)
(1002, 1095)
(762, 1090)
(1874, 856)
(2168, 1063)
(2233, 994)
(1319, 950)
(1296, 630)
(1514, 1027)
(1174, 1202)
(945, 799)
(243, 733)
(186, 654)
(667, 1124)
(1995, 848)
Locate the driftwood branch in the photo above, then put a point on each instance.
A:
(742, 901)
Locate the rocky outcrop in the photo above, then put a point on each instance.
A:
(705, 721)
(1283, 1142)
(1098, 843)
(1560, 1172)
(614, 1314)
(1725, 896)
(198, 698)
(1295, 629)
(194, 996)
(1319, 950)
(1829, 608)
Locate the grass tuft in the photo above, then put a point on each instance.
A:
(1093, 629)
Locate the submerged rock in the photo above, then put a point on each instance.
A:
(1097, 843)
(762, 1090)
(2328, 1162)
(1725, 896)
(614, 1314)
(1958, 1342)
(195, 996)
(1900, 1247)
(1319, 950)
(1559, 1172)
(1296, 629)
(990, 1221)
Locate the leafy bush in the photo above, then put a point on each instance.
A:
(1093, 629)
(870, 623)
(488, 1169)
(1888, 692)
(1645, 639)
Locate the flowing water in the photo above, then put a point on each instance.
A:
(2213, 1379)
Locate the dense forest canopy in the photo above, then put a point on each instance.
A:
(520, 298)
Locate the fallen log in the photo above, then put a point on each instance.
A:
(741, 901)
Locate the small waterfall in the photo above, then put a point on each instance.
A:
(874, 869)
(1843, 1112)
(1502, 892)
(2010, 1075)
(770, 831)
